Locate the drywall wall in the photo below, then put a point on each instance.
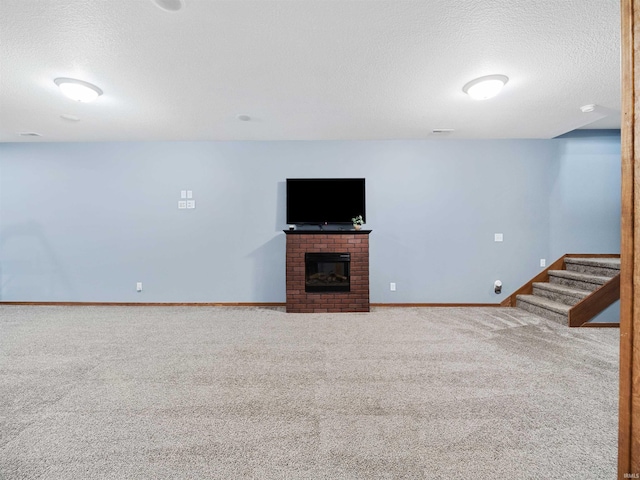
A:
(584, 214)
(86, 221)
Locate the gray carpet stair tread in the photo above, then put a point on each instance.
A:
(609, 262)
(543, 302)
(581, 277)
(562, 289)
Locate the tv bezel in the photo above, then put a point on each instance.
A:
(337, 179)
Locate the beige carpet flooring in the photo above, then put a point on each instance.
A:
(234, 393)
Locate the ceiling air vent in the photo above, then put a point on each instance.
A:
(442, 131)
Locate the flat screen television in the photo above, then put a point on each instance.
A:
(325, 200)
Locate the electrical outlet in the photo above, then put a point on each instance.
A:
(191, 204)
(543, 262)
(392, 286)
(139, 287)
(182, 204)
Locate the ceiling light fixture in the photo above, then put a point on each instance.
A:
(78, 90)
(485, 87)
(588, 108)
(169, 5)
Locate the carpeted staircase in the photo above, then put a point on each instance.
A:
(575, 292)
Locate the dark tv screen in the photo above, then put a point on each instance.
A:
(325, 200)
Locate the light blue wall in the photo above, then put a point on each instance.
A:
(585, 195)
(86, 221)
(585, 199)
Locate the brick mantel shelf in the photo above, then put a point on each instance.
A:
(354, 242)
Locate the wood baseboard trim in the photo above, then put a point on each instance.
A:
(404, 305)
(151, 304)
(230, 304)
(592, 255)
(600, 325)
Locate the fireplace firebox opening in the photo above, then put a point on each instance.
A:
(327, 272)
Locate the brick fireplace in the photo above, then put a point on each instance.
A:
(349, 250)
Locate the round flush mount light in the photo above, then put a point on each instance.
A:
(588, 108)
(169, 5)
(485, 87)
(78, 90)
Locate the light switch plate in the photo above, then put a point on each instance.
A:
(182, 204)
(191, 204)
(497, 237)
(183, 194)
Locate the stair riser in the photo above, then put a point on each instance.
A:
(556, 296)
(577, 284)
(593, 270)
(543, 312)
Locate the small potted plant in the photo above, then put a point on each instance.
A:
(357, 222)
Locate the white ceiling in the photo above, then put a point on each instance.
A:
(307, 69)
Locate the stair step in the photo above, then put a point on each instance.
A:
(577, 280)
(544, 307)
(607, 267)
(559, 293)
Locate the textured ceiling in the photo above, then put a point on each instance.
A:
(307, 69)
